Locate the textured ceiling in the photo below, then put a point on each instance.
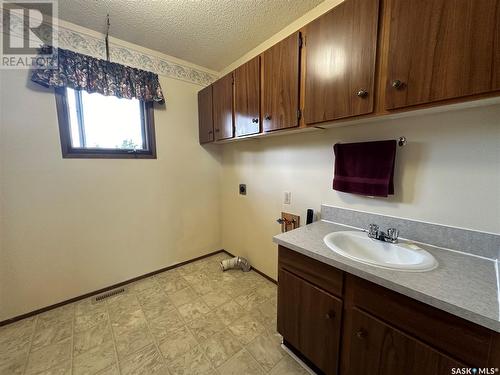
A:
(210, 33)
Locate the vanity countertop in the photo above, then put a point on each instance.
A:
(463, 285)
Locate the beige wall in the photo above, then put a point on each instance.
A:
(2, 258)
(449, 173)
(69, 227)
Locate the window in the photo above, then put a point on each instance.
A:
(98, 126)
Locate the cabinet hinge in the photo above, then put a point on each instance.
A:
(299, 114)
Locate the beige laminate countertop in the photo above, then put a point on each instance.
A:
(463, 285)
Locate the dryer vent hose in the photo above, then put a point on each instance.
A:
(235, 263)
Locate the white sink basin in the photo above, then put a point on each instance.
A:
(359, 247)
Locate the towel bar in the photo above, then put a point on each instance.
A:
(402, 141)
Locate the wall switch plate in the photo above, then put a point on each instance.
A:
(243, 189)
(287, 197)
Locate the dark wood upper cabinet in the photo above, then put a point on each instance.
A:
(363, 57)
(442, 49)
(310, 320)
(280, 94)
(247, 98)
(223, 107)
(340, 62)
(377, 348)
(205, 119)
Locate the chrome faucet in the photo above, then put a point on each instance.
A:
(391, 235)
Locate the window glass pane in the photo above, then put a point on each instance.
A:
(108, 122)
(73, 119)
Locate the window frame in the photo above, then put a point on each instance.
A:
(68, 151)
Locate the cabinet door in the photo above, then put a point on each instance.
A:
(247, 98)
(223, 107)
(442, 49)
(376, 348)
(309, 319)
(205, 119)
(280, 103)
(340, 62)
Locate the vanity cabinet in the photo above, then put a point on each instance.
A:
(280, 86)
(223, 107)
(441, 49)
(341, 324)
(340, 62)
(310, 319)
(247, 98)
(377, 348)
(205, 119)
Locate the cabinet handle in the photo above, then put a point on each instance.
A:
(255, 120)
(216, 130)
(397, 84)
(362, 93)
(210, 132)
(361, 334)
(330, 315)
(268, 117)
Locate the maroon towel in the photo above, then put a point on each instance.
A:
(365, 168)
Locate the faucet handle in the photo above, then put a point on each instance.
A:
(373, 230)
(392, 234)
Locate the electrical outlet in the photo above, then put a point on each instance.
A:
(243, 189)
(287, 197)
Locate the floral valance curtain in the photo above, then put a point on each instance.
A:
(82, 72)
